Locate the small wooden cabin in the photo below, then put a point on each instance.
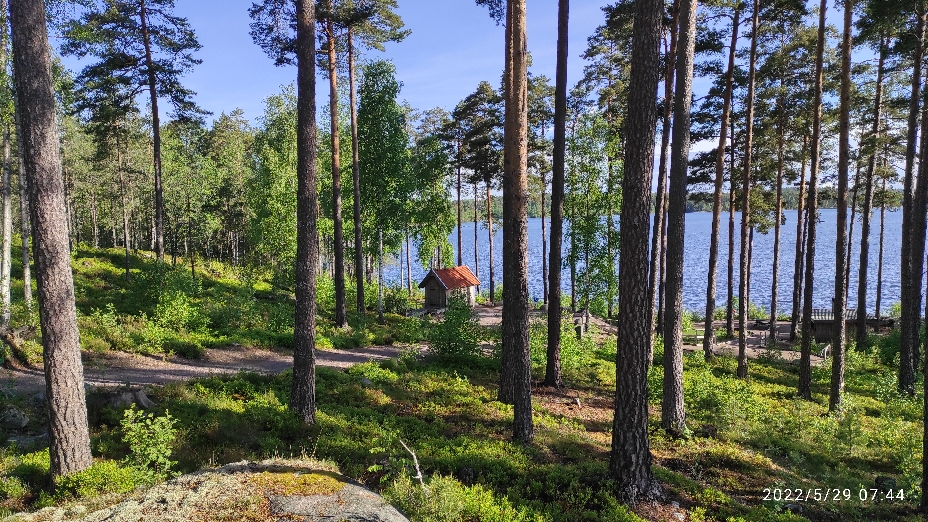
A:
(442, 283)
(824, 327)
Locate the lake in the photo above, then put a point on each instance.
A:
(696, 260)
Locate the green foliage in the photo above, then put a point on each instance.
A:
(105, 476)
(150, 441)
(584, 361)
(445, 499)
(458, 333)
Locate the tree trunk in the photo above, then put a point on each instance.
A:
(125, 204)
(490, 236)
(553, 364)
(801, 224)
(730, 300)
(805, 358)
(630, 458)
(908, 326)
(356, 179)
(544, 244)
(156, 132)
(303, 391)
(338, 232)
(25, 232)
(708, 339)
(658, 243)
(879, 266)
(7, 253)
(516, 379)
(866, 213)
(476, 243)
(777, 224)
(673, 416)
(408, 266)
(380, 276)
(460, 235)
(743, 298)
(69, 436)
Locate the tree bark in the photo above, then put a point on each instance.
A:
(338, 227)
(156, 133)
(630, 458)
(69, 436)
(125, 205)
(801, 224)
(356, 180)
(553, 364)
(380, 275)
(777, 224)
(908, 325)
(490, 238)
(460, 235)
(544, 243)
(708, 339)
(673, 416)
(879, 266)
(805, 357)
(743, 295)
(867, 211)
(515, 378)
(655, 269)
(839, 344)
(7, 212)
(303, 391)
(730, 300)
(476, 249)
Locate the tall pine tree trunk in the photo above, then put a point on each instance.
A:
(805, 357)
(69, 436)
(743, 294)
(801, 224)
(908, 323)
(777, 225)
(708, 340)
(125, 205)
(338, 242)
(156, 132)
(7, 254)
(879, 266)
(476, 241)
(630, 458)
(730, 300)
(490, 238)
(673, 416)
(553, 362)
(544, 243)
(866, 213)
(356, 181)
(516, 379)
(839, 344)
(303, 390)
(655, 269)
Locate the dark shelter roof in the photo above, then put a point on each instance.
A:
(452, 278)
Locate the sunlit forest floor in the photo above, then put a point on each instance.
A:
(750, 441)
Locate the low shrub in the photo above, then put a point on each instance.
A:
(457, 333)
(105, 476)
(150, 440)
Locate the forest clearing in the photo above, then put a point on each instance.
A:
(665, 263)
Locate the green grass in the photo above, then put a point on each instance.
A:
(747, 436)
(164, 309)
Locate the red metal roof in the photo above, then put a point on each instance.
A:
(453, 278)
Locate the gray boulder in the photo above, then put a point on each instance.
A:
(14, 419)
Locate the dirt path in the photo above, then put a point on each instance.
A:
(118, 368)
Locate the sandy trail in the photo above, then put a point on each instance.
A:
(119, 368)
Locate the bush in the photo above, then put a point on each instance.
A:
(447, 500)
(105, 476)
(150, 440)
(458, 332)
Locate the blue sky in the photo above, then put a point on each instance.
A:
(453, 46)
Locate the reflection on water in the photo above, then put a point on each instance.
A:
(696, 260)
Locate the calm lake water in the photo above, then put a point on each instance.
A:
(696, 260)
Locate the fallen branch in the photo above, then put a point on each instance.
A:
(415, 461)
